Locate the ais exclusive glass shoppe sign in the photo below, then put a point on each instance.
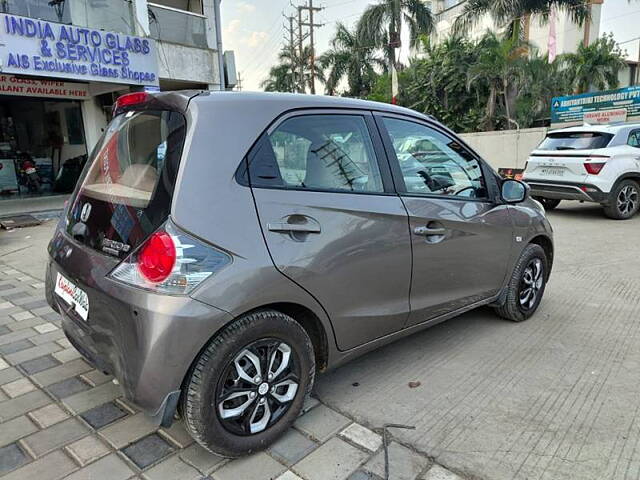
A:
(47, 49)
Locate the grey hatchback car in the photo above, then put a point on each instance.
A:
(220, 248)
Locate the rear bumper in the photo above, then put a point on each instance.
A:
(566, 191)
(146, 341)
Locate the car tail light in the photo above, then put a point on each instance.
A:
(170, 261)
(130, 99)
(157, 257)
(594, 168)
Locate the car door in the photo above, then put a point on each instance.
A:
(331, 220)
(461, 239)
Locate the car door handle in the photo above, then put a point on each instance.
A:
(293, 227)
(426, 231)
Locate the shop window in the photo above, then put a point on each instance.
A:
(44, 135)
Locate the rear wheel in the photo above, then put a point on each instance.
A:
(526, 286)
(624, 200)
(248, 386)
(548, 203)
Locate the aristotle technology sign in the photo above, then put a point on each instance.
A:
(47, 49)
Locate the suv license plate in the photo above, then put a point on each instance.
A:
(555, 172)
(73, 296)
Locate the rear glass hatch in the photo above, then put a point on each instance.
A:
(126, 190)
(562, 155)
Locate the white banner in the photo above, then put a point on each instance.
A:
(31, 87)
(46, 49)
(605, 116)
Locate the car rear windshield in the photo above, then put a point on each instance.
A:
(575, 141)
(128, 182)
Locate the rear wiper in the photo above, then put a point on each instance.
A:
(565, 148)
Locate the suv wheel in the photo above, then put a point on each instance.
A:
(249, 384)
(624, 200)
(548, 203)
(526, 286)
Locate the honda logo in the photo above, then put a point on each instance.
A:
(86, 211)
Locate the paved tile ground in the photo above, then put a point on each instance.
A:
(60, 418)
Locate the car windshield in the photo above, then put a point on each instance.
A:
(575, 141)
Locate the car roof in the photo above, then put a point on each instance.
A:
(609, 128)
(292, 101)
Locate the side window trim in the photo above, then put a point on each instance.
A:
(394, 163)
(243, 177)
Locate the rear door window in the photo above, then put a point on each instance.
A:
(575, 141)
(317, 152)
(634, 139)
(126, 191)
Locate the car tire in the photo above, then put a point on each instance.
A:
(624, 200)
(530, 272)
(548, 203)
(214, 422)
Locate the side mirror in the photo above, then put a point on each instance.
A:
(514, 191)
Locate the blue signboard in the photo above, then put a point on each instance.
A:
(571, 109)
(46, 49)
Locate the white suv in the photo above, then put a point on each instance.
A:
(588, 163)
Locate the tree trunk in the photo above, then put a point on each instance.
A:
(491, 107)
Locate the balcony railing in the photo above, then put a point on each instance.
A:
(113, 15)
(177, 26)
(58, 12)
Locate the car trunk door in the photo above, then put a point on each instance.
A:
(348, 248)
(560, 166)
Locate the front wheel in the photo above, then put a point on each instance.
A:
(548, 203)
(248, 386)
(526, 286)
(624, 200)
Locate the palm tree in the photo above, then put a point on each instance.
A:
(291, 74)
(540, 81)
(380, 25)
(500, 66)
(280, 79)
(510, 13)
(596, 65)
(349, 59)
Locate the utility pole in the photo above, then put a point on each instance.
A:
(310, 9)
(239, 84)
(292, 50)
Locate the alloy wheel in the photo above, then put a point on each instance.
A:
(530, 284)
(627, 200)
(257, 387)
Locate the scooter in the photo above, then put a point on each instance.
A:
(28, 174)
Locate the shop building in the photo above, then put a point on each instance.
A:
(64, 62)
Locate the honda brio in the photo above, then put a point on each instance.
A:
(220, 248)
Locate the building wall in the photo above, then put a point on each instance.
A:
(506, 148)
(183, 63)
(568, 34)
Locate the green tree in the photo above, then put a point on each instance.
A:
(349, 60)
(511, 13)
(381, 24)
(436, 83)
(596, 65)
(539, 83)
(290, 74)
(500, 66)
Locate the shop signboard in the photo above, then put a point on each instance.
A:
(622, 104)
(45, 49)
(33, 87)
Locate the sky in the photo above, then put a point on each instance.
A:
(254, 29)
